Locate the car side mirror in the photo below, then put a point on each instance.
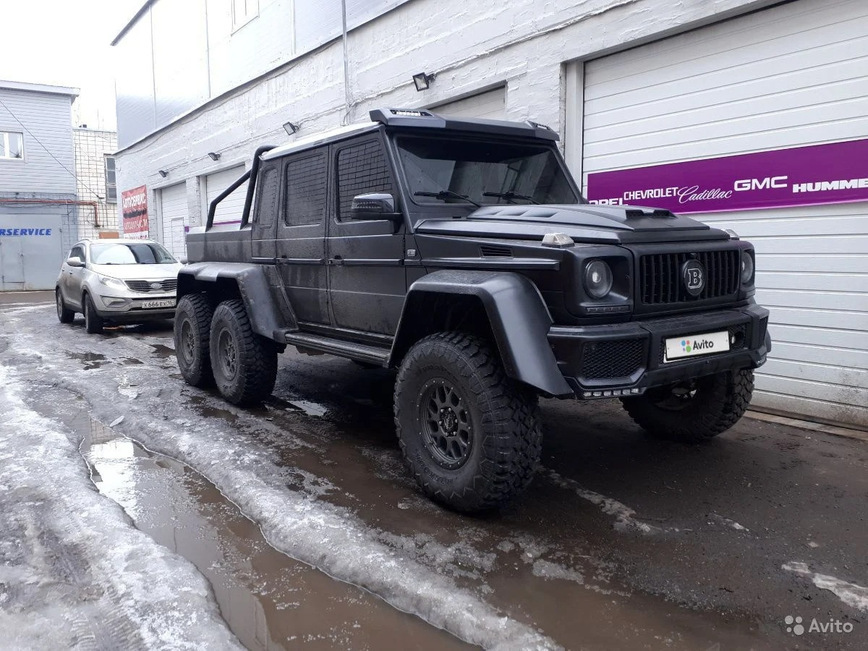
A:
(374, 206)
(75, 261)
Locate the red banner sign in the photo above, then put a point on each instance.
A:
(134, 208)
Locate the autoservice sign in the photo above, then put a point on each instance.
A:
(801, 176)
(134, 208)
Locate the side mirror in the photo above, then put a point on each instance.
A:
(374, 206)
(75, 262)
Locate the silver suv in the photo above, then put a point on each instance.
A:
(117, 281)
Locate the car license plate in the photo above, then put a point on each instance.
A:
(149, 305)
(692, 345)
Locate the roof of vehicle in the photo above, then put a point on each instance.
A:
(417, 118)
(116, 240)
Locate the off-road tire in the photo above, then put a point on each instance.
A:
(64, 315)
(192, 336)
(504, 433)
(244, 363)
(716, 404)
(93, 322)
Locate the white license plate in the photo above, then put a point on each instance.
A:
(693, 345)
(149, 305)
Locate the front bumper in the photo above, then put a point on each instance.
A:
(126, 309)
(627, 359)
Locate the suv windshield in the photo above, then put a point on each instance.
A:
(144, 253)
(471, 171)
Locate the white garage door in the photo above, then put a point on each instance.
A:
(490, 105)
(229, 210)
(789, 76)
(173, 219)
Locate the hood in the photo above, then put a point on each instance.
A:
(138, 271)
(582, 222)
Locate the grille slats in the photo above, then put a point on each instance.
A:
(144, 286)
(661, 282)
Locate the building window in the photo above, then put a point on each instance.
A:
(243, 11)
(11, 145)
(111, 183)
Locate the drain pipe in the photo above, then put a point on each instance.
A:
(347, 95)
(60, 202)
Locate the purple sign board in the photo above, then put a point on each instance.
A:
(802, 176)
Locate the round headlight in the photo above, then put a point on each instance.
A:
(747, 268)
(598, 278)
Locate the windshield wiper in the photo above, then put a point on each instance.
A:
(509, 196)
(446, 194)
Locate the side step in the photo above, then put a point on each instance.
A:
(339, 347)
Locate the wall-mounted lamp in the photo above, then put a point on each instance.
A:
(290, 128)
(163, 173)
(213, 155)
(422, 80)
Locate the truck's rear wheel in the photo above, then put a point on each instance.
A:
(192, 336)
(244, 363)
(693, 411)
(470, 435)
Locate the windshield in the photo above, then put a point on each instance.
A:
(144, 253)
(446, 170)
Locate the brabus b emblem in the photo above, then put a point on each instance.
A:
(693, 274)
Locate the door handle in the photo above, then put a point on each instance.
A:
(336, 260)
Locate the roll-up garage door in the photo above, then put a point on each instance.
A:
(490, 105)
(790, 76)
(229, 210)
(173, 218)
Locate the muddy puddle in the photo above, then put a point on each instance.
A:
(269, 600)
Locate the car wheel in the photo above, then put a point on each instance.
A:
(64, 315)
(695, 411)
(192, 336)
(244, 363)
(470, 435)
(93, 322)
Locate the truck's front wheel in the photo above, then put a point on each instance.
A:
(693, 411)
(192, 335)
(470, 435)
(244, 363)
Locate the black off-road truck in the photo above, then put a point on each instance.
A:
(462, 254)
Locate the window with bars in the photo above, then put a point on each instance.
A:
(362, 169)
(111, 182)
(305, 201)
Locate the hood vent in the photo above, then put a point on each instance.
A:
(633, 212)
(490, 251)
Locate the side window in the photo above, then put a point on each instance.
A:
(269, 190)
(305, 193)
(362, 169)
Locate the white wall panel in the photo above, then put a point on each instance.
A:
(174, 218)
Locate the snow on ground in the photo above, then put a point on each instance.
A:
(156, 412)
(75, 572)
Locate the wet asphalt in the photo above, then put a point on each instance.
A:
(620, 542)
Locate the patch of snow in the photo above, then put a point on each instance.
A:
(549, 570)
(850, 593)
(624, 515)
(310, 408)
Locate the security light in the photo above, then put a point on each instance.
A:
(213, 155)
(290, 128)
(422, 80)
(163, 173)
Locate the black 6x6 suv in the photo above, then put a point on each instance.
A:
(461, 253)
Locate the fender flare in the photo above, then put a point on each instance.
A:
(517, 315)
(251, 281)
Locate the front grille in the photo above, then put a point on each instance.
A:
(612, 359)
(144, 286)
(661, 283)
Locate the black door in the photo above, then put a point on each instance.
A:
(366, 276)
(301, 236)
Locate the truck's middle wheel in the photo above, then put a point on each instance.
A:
(244, 363)
(470, 435)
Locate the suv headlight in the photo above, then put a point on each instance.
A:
(747, 268)
(598, 278)
(108, 281)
